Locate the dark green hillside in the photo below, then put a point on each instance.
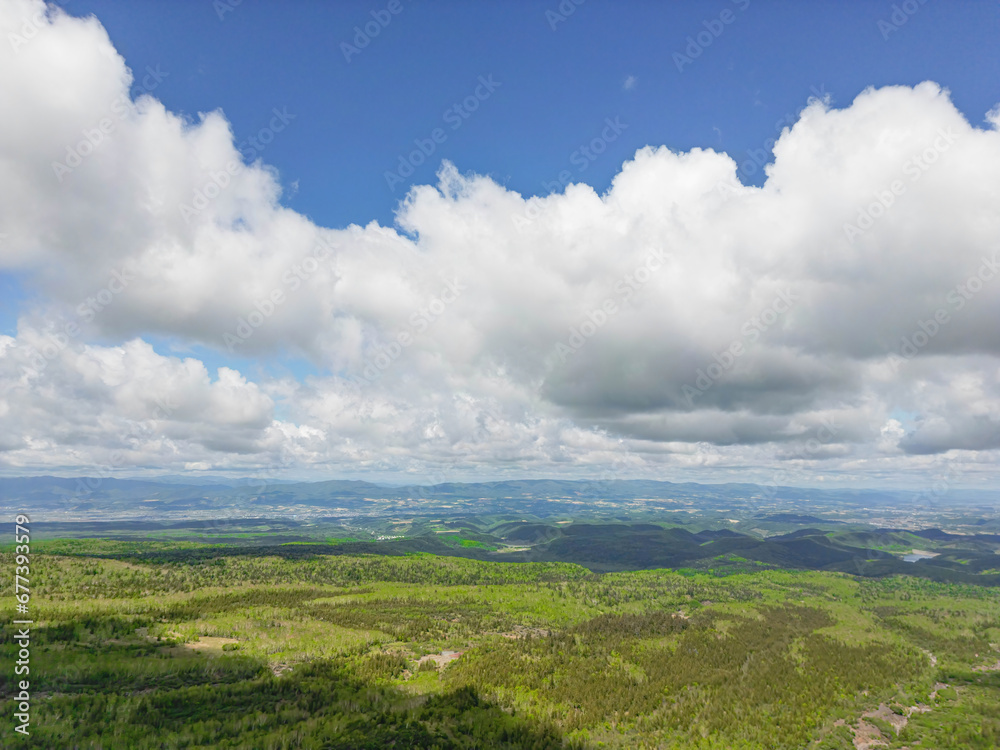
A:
(599, 546)
(526, 533)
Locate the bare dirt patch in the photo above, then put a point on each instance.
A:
(524, 632)
(988, 668)
(937, 686)
(206, 644)
(867, 736)
(886, 714)
(209, 643)
(441, 659)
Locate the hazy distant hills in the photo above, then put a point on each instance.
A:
(168, 496)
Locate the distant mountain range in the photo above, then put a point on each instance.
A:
(599, 546)
(169, 496)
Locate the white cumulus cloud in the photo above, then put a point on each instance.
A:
(680, 323)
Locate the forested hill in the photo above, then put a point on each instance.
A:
(141, 645)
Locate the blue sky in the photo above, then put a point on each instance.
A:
(506, 319)
(354, 119)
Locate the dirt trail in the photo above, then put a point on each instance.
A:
(867, 736)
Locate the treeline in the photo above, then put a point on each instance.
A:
(145, 574)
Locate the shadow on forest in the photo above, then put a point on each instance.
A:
(112, 694)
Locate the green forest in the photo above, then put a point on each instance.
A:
(184, 645)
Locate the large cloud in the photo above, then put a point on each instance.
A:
(841, 317)
(80, 399)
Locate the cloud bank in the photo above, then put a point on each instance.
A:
(837, 323)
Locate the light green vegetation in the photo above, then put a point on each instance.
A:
(168, 645)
